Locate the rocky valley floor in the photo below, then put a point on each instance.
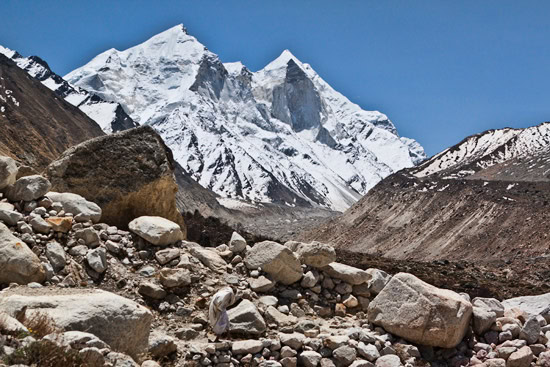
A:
(78, 292)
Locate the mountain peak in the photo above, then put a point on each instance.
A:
(283, 60)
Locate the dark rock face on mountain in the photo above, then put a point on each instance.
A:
(128, 174)
(487, 198)
(37, 126)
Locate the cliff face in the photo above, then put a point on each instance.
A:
(37, 126)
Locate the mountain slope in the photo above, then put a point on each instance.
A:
(36, 125)
(486, 198)
(280, 135)
(109, 115)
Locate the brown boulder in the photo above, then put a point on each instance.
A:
(128, 174)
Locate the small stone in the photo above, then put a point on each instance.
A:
(56, 255)
(237, 244)
(97, 259)
(38, 224)
(521, 358)
(167, 255)
(151, 290)
(345, 355)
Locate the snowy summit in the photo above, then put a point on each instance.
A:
(281, 134)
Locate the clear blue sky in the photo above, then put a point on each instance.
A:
(441, 70)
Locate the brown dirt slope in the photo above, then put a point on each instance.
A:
(37, 126)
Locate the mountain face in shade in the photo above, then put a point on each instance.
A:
(485, 199)
(279, 135)
(36, 124)
(109, 115)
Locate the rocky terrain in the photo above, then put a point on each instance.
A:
(484, 200)
(81, 292)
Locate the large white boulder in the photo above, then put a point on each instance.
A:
(420, 312)
(156, 230)
(347, 273)
(531, 305)
(18, 263)
(119, 322)
(82, 209)
(314, 254)
(28, 188)
(275, 259)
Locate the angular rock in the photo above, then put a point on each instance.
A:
(156, 230)
(60, 224)
(246, 346)
(97, 259)
(275, 259)
(18, 264)
(56, 254)
(491, 304)
(151, 290)
(10, 217)
(81, 208)
(378, 280)
(119, 322)
(314, 254)
(77, 340)
(420, 312)
(389, 360)
(167, 255)
(368, 351)
(173, 278)
(531, 305)
(209, 257)
(161, 345)
(237, 244)
(136, 166)
(310, 358)
(294, 340)
(347, 273)
(261, 284)
(246, 320)
(89, 235)
(28, 188)
(8, 172)
(275, 316)
(530, 331)
(39, 225)
(483, 318)
(344, 355)
(521, 358)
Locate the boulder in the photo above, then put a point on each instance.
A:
(237, 244)
(18, 263)
(28, 188)
(135, 165)
(172, 278)
(156, 230)
(275, 259)
(246, 320)
(344, 355)
(56, 255)
(10, 217)
(8, 172)
(79, 207)
(531, 305)
(378, 281)
(209, 257)
(490, 304)
(119, 322)
(310, 358)
(530, 331)
(420, 312)
(347, 273)
(483, 319)
(521, 358)
(314, 254)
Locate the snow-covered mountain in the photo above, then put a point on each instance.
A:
(281, 134)
(108, 114)
(480, 151)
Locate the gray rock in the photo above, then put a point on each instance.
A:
(310, 358)
(389, 360)
(246, 346)
(246, 320)
(173, 278)
(294, 340)
(347, 273)
(276, 260)
(378, 280)
(56, 255)
(28, 188)
(209, 257)
(530, 331)
(39, 225)
(269, 300)
(275, 316)
(18, 264)
(261, 284)
(521, 358)
(10, 217)
(491, 304)
(156, 230)
(161, 345)
(77, 205)
(167, 255)
(344, 355)
(368, 351)
(531, 305)
(151, 290)
(77, 340)
(97, 259)
(315, 254)
(309, 280)
(89, 235)
(237, 244)
(8, 172)
(79, 250)
(407, 307)
(119, 322)
(483, 319)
